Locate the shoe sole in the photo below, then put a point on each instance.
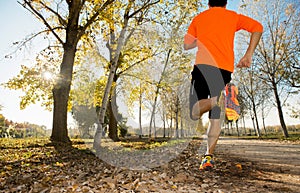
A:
(207, 167)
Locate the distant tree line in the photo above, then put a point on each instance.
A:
(10, 129)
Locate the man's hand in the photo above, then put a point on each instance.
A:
(245, 62)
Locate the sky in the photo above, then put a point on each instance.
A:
(17, 23)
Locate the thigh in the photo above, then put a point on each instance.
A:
(199, 84)
(199, 88)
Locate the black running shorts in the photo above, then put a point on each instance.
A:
(207, 81)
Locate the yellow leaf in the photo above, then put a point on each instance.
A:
(8, 167)
(239, 166)
(59, 164)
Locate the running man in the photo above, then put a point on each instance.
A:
(213, 31)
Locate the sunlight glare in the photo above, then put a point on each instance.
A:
(48, 75)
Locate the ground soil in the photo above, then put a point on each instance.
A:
(273, 165)
(241, 166)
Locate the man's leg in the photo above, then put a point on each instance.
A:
(203, 106)
(216, 80)
(213, 134)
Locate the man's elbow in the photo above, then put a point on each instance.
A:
(185, 47)
(188, 46)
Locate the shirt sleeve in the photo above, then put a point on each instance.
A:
(191, 35)
(248, 24)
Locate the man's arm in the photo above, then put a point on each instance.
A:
(247, 58)
(190, 46)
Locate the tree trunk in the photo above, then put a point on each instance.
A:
(140, 112)
(61, 92)
(244, 125)
(264, 125)
(237, 128)
(113, 123)
(153, 111)
(59, 129)
(228, 131)
(112, 72)
(253, 124)
(157, 91)
(176, 117)
(171, 125)
(164, 123)
(263, 116)
(181, 126)
(154, 127)
(113, 113)
(61, 89)
(256, 121)
(280, 113)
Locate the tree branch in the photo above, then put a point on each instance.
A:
(38, 15)
(143, 7)
(61, 20)
(138, 62)
(93, 18)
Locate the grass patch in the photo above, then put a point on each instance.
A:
(135, 143)
(146, 144)
(293, 136)
(16, 143)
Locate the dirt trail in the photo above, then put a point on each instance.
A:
(278, 163)
(245, 166)
(284, 155)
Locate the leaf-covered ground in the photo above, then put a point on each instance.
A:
(36, 166)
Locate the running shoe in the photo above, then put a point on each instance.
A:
(232, 106)
(207, 162)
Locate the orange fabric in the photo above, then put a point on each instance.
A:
(214, 30)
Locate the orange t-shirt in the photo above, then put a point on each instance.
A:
(214, 30)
